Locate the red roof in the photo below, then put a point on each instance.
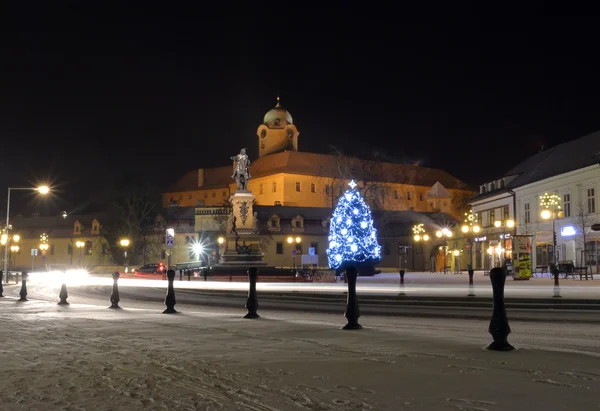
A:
(324, 165)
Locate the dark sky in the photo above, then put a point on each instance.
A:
(89, 89)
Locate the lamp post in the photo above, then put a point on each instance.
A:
(419, 234)
(470, 226)
(444, 233)
(14, 249)
(551, 208)
(80, 245)
(220, 242)
(125, 243)
(292, 240)
(42, 190)
(506, 224)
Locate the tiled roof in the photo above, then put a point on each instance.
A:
(324, 165)
(216, 177)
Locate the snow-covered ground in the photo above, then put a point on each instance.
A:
(87, 357)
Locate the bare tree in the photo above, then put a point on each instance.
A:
(583, 221)
(378, 180)
(133, 214)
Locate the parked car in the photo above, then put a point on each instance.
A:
(158, 268)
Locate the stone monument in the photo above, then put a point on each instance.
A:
(242, 248)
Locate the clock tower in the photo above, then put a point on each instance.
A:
(277, 133)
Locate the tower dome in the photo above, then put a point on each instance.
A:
(277, 116)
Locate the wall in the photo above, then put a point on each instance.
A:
(61, 257)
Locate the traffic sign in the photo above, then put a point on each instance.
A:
(170, 238)
(596, 227)
(34, 252)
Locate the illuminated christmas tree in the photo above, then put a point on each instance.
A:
(352, 237)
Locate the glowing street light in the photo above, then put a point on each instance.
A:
(290, 240)
(16, 238)
(41, 189)
(298, 239)
(221, 240)
(419, 232)
(551, 208)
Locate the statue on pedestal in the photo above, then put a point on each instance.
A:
(241, 170)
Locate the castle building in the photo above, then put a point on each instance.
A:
(300, 189)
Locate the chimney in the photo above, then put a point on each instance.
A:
(200, 177)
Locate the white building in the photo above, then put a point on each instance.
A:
(571, 171)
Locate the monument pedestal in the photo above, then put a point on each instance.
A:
(242, 241)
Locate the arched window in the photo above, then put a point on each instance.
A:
(501, 183)
(492, 186)
(88, 247)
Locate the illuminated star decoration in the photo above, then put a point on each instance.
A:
(352, 237)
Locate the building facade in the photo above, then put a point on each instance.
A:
(295, 195)
(570, 173)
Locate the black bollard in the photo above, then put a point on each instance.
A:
(170, 299)
(352, 312)
(114, 297)
(556, 290)
(180, 275)
(63, 294)
(471, 286)
(499, 327)
(402, 283)
(23, 292)
(189, 274)
(205, 273)
(252, 301)
(1, 288)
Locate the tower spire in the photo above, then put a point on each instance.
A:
(278, 104)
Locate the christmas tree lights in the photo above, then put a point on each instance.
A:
(352, 237)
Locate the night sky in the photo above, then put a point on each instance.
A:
(89, 89)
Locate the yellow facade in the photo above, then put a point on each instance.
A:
(297, 190)
(61, 253)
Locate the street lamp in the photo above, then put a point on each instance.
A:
(125, 243)
(445, 233)
(80, 245)
(551, 207)
(470, 225)
(507, 224)
(291, 240)
(41, 189)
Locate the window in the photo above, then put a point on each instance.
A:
(327, 189)
(279, 248)
(260, 189)
(527, 215)
(51, 249)
(214, 194)
(492, 217)
(189, 197)
(501, 183)
(298, 224)
(163, 255)
(313, 189)
(492, 186)
(505, 215)
(567, 204)
(316, 247)
(297, 185)
(420, 196)
(396, 195)
(205, 195)
(298, 248)
(88, 248)
(224, 194)
(189, 239)
(274, 187)
(180, 197)
(408, 195)
(70, 249)
(591, 203)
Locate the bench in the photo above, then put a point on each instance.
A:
(566, 267)
(581, 272)
(541, 269)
